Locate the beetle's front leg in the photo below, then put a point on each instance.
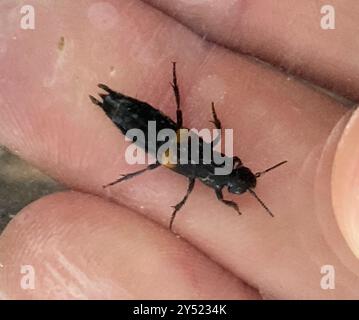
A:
(228, 203)
(218, 126)
(236, 162)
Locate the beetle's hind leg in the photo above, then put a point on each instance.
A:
(180, 204)
(132, 174)
(175, 87)
(228, 203)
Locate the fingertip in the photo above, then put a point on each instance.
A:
(78, 246)
(345, 183)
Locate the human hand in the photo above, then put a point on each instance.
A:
(83, 246)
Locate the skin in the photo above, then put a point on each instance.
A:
(95, 243)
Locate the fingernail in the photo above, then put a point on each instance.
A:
(345, 183)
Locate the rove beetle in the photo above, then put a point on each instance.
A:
(129, 113)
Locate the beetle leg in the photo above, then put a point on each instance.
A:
(228, 203)
(217, 124)
(215, 121)
(179, 205)
(132, 174)
(236, 162)
(174, 85)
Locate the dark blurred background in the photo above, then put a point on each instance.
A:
(20, 184)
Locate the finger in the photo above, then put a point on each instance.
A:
(273, 119)
(77, 246)
(287, 34)
(345, 184)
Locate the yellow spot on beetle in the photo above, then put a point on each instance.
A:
(167, 156)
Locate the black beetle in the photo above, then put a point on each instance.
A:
(129, 113)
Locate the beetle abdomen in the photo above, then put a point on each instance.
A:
(129, 113)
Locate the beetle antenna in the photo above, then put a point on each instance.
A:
(261, 202)
(258, 174)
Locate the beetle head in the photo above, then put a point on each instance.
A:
(241, 179)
